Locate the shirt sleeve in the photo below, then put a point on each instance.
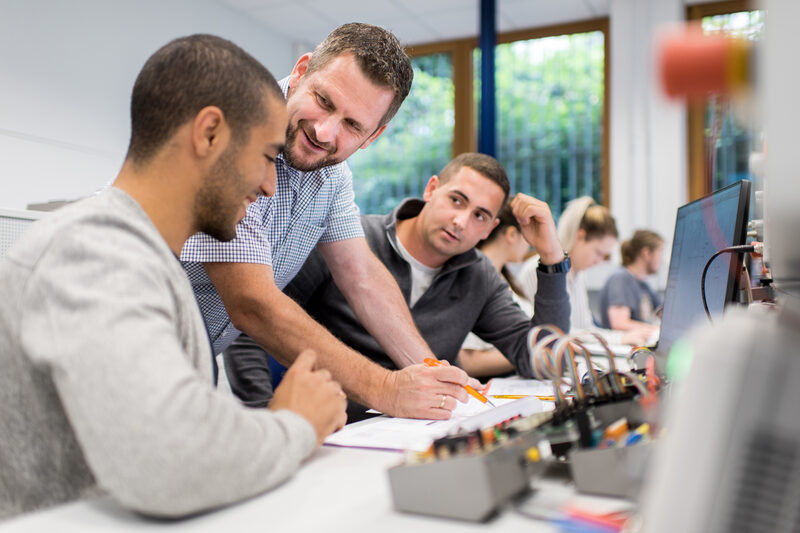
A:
(473, 342)
(505, 325)
(343, 221)
(621, 292)
(154, 432)
(251, 244)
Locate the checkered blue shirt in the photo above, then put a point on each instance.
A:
(280, 231)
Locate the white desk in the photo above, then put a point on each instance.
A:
(338, 489)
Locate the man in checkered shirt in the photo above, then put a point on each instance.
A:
(339, 98)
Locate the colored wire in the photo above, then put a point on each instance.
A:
(565, 344)
(616, 383)
(598, 385)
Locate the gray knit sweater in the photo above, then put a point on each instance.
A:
(105, 380)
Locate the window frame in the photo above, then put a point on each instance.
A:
(699, 178)
(461, 50)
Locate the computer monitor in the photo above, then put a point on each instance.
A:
(702, 228)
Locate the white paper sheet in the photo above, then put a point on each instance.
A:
(389, 433)
(515, 385)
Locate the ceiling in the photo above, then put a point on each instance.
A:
(307, 22)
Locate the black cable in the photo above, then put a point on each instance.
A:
(730, 250)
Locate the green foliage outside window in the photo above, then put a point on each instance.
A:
(416, 144)
(549, 120)
(550, 116)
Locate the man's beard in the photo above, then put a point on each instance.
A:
(215, 208)
(295, 163)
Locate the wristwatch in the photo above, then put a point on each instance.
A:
(562, 266)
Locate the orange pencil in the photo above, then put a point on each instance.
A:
(518, 396)
(473, 392)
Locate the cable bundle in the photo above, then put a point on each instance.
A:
(556, 350)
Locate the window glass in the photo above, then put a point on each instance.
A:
(550, 115)
(416, 144)
(729, 136)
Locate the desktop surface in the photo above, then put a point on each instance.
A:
(338, 489)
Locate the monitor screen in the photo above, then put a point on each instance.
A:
(702, 228)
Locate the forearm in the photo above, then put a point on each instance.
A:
(551, 307)
(381, 308)
(551, 304)
(629, 324)
(272, 319)
(149, 401)
(619, 318)
(482, 363)
(132, 453)
(284, 330)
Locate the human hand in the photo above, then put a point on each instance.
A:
(421, 391)
(538, 227)
(312, 394)
(636, 336)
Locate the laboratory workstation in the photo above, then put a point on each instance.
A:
(451, 266)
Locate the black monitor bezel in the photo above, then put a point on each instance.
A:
(739, 238)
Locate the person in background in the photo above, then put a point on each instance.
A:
(505, 244)
(106, 382)
(627, 303)
(589, 234)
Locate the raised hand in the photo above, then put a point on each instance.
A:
(538, 227)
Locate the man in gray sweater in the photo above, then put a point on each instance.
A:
(451, 288)
(106, 382)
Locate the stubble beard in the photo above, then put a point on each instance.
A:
(295, 162)
(215, 210)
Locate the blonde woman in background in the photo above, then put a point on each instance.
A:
(588, 233)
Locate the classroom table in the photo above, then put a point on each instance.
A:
(337, 489)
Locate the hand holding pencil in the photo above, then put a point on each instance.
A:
(480, 397)
(423, 391)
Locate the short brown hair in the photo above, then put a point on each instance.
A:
(188, 74)
(379, 54)
(598, 222)
(485, 165)
(642, 238)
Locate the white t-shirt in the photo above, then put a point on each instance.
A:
(421, 275)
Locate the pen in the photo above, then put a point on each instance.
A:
(518, 396)
(435, 362)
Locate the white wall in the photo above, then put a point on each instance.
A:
(66, 72)
(648, 132)
(67, 68)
